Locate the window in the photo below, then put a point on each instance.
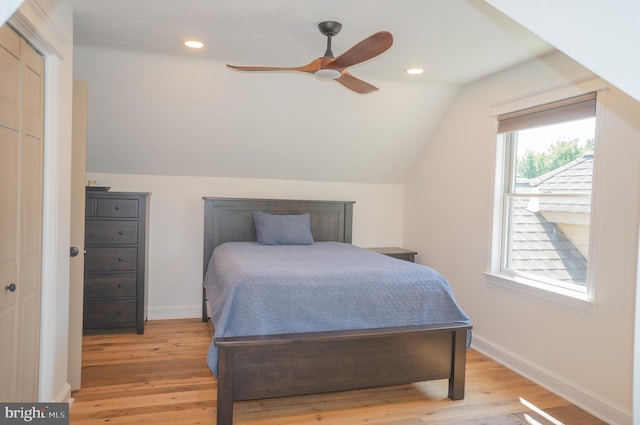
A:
(544, 195)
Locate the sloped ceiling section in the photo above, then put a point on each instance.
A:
(7, 8)
(157, 108)
(602, 36)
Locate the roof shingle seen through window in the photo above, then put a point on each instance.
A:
(540, 247)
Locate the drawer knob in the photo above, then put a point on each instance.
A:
(120, 259)
(120, 285)
(119, 311)
(10, 288)
(121, 232)
(117, 208)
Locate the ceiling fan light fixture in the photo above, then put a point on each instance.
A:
(194, 44)
(327, 74)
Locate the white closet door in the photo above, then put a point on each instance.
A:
(21, 173)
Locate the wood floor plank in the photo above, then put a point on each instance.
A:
(162, 377)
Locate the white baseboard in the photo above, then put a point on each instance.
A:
(64, 396)
(570, 391)
(175, 312)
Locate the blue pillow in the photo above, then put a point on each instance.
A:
(282, 229)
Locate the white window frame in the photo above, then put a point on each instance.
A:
(513, 281)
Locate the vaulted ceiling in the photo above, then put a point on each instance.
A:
(157, 107)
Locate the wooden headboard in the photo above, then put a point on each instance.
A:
(231, 220)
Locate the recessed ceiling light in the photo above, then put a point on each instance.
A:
(194, 44)
(415, 71)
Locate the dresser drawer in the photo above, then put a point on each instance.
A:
(110, 259)
(116, 207)
(90, 207)
(110, 286)
(111, 232)
(104, 314)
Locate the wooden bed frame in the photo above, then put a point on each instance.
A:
(256, 367)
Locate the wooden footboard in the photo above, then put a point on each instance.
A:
(258, 367)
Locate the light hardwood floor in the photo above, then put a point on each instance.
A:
(161, 377)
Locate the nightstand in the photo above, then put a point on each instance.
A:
(403, 254)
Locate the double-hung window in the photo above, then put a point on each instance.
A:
(544, 188)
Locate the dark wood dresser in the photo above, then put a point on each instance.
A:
(115, 260)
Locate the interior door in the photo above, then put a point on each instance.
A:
(9, 181)
(76, 272)
(21, 173)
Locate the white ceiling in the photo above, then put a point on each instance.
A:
(378, 135)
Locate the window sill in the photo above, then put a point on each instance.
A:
(546, 292)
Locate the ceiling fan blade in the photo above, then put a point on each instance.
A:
(366, 49)
(311, 67)
(355, 84)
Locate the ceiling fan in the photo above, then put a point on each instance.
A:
(329, 67)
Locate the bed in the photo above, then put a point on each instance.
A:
(266, 363)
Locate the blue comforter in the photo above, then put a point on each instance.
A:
(261, 290)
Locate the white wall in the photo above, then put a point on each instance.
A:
(176, 224)
(585, 355)
(48, 25)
